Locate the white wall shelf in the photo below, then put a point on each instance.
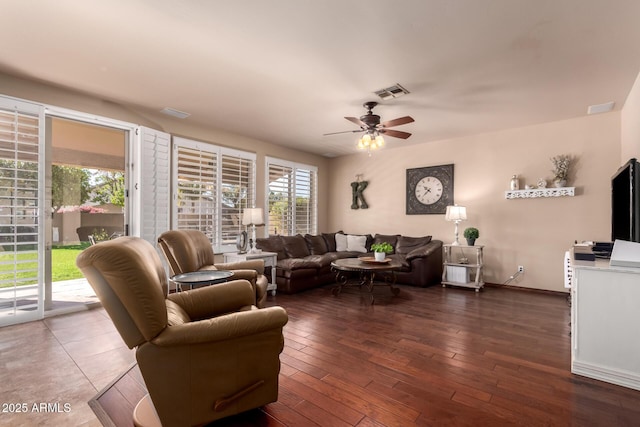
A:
(540, 192)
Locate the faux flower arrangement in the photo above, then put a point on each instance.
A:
(561, 165)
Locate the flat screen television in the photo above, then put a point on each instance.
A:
(625, 203)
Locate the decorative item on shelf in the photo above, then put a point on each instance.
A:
(529, 187)
(542, 183)
(456, 214)
(560, 169)
(357, 198)
(252, 217)
(471, 234)
(241, 242)
(380, 250)
(515, 183)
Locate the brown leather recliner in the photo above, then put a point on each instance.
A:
(190, 250)
(204, 354)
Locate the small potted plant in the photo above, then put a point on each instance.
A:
(471, 234)
(380, 250)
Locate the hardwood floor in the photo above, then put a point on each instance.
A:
(429, 357)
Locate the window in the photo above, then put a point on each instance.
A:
(212, 186)
(291, 198)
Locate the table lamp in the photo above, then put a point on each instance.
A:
(252, 217)
(456, 214)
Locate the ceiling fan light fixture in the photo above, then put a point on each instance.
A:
(370, 141)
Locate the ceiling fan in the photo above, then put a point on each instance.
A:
(373, 129)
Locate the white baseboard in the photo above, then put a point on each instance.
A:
(613, 376)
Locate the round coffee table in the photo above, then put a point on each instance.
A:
(367, 269)
(201, 278)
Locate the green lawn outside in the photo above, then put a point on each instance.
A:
(63, 259)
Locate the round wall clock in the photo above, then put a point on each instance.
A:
(429, 189)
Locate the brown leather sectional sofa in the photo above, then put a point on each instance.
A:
(304, 262)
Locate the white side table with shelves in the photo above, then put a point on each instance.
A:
(270, 260)
(456, 273)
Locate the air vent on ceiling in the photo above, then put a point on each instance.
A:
(175, 113)
(391, 91)
(600, 108)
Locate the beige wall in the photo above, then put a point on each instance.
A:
(630, 141)
(534, 233)
(34, 91)
(531, 232)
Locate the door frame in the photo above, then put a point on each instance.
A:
(64, 113)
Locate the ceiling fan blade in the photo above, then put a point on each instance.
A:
(356, 121)
(395, 133)
(344, 131)
(397, 122)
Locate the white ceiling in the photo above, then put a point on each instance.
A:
(287, 71)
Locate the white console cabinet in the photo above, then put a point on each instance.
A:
(605, 317)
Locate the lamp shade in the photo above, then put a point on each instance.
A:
(253, 216)
(456, 213)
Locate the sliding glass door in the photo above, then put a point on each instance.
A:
(86, 193)
(69, 180)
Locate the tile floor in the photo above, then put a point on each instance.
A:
(62, 361)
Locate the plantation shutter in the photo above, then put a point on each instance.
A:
(21, 211)
(238, 193)
(291, 198)
(305, 213)
(195, 190)
(151, 188)
(280, 199)
(212, 187)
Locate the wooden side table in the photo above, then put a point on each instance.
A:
(457, 273)
(270, 260)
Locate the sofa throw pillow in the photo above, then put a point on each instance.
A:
(407, 244)
(330, 240)
(272, 244)
(341, 242)
(295, 246)
(356, 243)
(316, 244)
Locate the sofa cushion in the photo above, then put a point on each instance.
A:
(272, 244)
(330, 240)
(312, 261)
(357, 243)
(391, 239)
(316, 244)
(407, 244)
(327, 258)
(360, 243)
(341, 242)
(295, 246)
(405, 264)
